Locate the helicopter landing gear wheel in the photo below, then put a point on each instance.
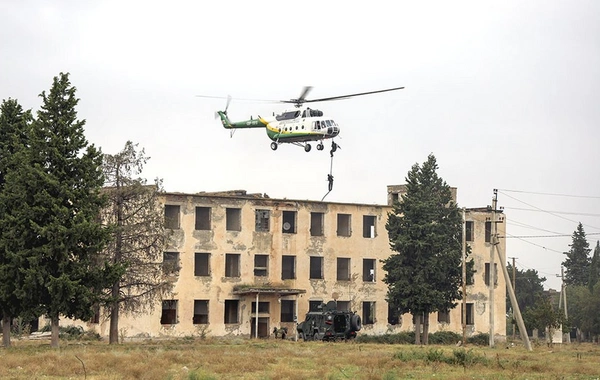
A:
(307, 148)
(274, 145)
(320, 146)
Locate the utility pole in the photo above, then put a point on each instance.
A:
(511, 292)
(563, 296)
(491, 275)
(514, 284)
(464, 278)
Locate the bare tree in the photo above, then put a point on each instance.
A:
(139, 236)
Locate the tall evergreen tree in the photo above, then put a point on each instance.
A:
(577, 263)
(61, 205)
(528, 287)
(139, 236)
(425, 227)
(14, 132)
(595, 268)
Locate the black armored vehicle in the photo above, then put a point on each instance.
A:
(328, 323)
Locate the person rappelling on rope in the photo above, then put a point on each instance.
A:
(334, 147)
(330, 179)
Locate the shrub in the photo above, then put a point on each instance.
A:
(444, 337)
(480, 339)
(400, 338)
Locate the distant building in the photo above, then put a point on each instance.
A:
(246, 263)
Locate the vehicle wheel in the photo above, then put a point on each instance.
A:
(307, 148)
(274, 145)
(320, 147)
(355, 322)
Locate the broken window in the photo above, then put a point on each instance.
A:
(343, 225)
(261, 265)
(202, 264)
(316, 267)
(368, 317)
(369, 270)
(315, 305)
(263, 307)
(443, 317)
(172, 217)
(233, 219)
(469, 231)
(470, 313)
(261, 219)
(395, 198)
(170, 262)
(393, 315)
(316, 223)
(231, 311)
(343, 305)
(369, 226)
(486, 274)
(488, 232)
(288, 310)
(200, 312)
(202, 218)
(232, 265)
(289, 222)
(288, 267)
(343, 269)
(169, 312)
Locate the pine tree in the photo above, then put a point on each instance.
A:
(424, 228)
(577, 263)
(14, 132)
(61, 202)
(595, 267)
(139, 236)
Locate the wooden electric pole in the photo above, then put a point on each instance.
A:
(514, 284)
(464, 278)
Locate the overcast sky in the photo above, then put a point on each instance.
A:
(504, 94)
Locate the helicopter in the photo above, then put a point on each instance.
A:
(299, 126)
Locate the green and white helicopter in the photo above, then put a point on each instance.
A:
(299, 126)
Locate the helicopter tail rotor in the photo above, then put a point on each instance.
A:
(226, 107)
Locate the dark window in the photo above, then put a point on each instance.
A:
(343, 305)
(393, 315)
(369, 270)
(169, 312)
(343, 269)
(232, 265)
(202, 264)
(96, 317)
(170, 262)
(172, 217)
(316, 223)
(231, 311)
(315, 305)
(288, 310)
(488, 232)
(443, 317)
(368, 317)
(486, 275)
(263, 307)
(470, 314)
(395, 198)
(344, 225)
(369, 226)
(469, 231)
(261, 265)
(261, 218)
(316, 267)
(233, 219)
(289, 222)
(288, 267)
(200, 312)
(203, 218)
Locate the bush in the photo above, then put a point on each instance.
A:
(481, 339)
(400, 338)
(444, 337)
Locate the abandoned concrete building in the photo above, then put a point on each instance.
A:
(244, 264)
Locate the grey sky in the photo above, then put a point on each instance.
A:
(505, 95)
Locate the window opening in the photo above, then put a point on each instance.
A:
(233, 219)
(172, 217)
(343, 225)
(202, 264)
(200, 312)
(288, 310)
(288, 267)
(368, 317)
(316, 267)
(261, 264)
(289, 222)
(170, 262)
(369, 270)
(262, 220)
(369, 226)
(316, 223)
(232, 265)
(202, 218)
(343, 269)
(169, 312)
(231, 311)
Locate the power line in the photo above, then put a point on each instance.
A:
(555, 212)
(552, 194)
(537, 245)
(521, 224)
(547, 236)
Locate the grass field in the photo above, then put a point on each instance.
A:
(276, 359)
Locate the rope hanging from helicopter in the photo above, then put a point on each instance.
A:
(334, 147)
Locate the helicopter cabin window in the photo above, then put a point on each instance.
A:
(288, 115)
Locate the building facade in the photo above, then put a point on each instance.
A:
(244, 264)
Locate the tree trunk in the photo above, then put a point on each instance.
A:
(6, 330)
(113, 336)
(54, 336)
(417, 328)
(426, 329)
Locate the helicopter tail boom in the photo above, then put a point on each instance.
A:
(228, 124)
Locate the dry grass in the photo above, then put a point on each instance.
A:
(271, 359)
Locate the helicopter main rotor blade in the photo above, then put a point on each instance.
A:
(344, 96)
